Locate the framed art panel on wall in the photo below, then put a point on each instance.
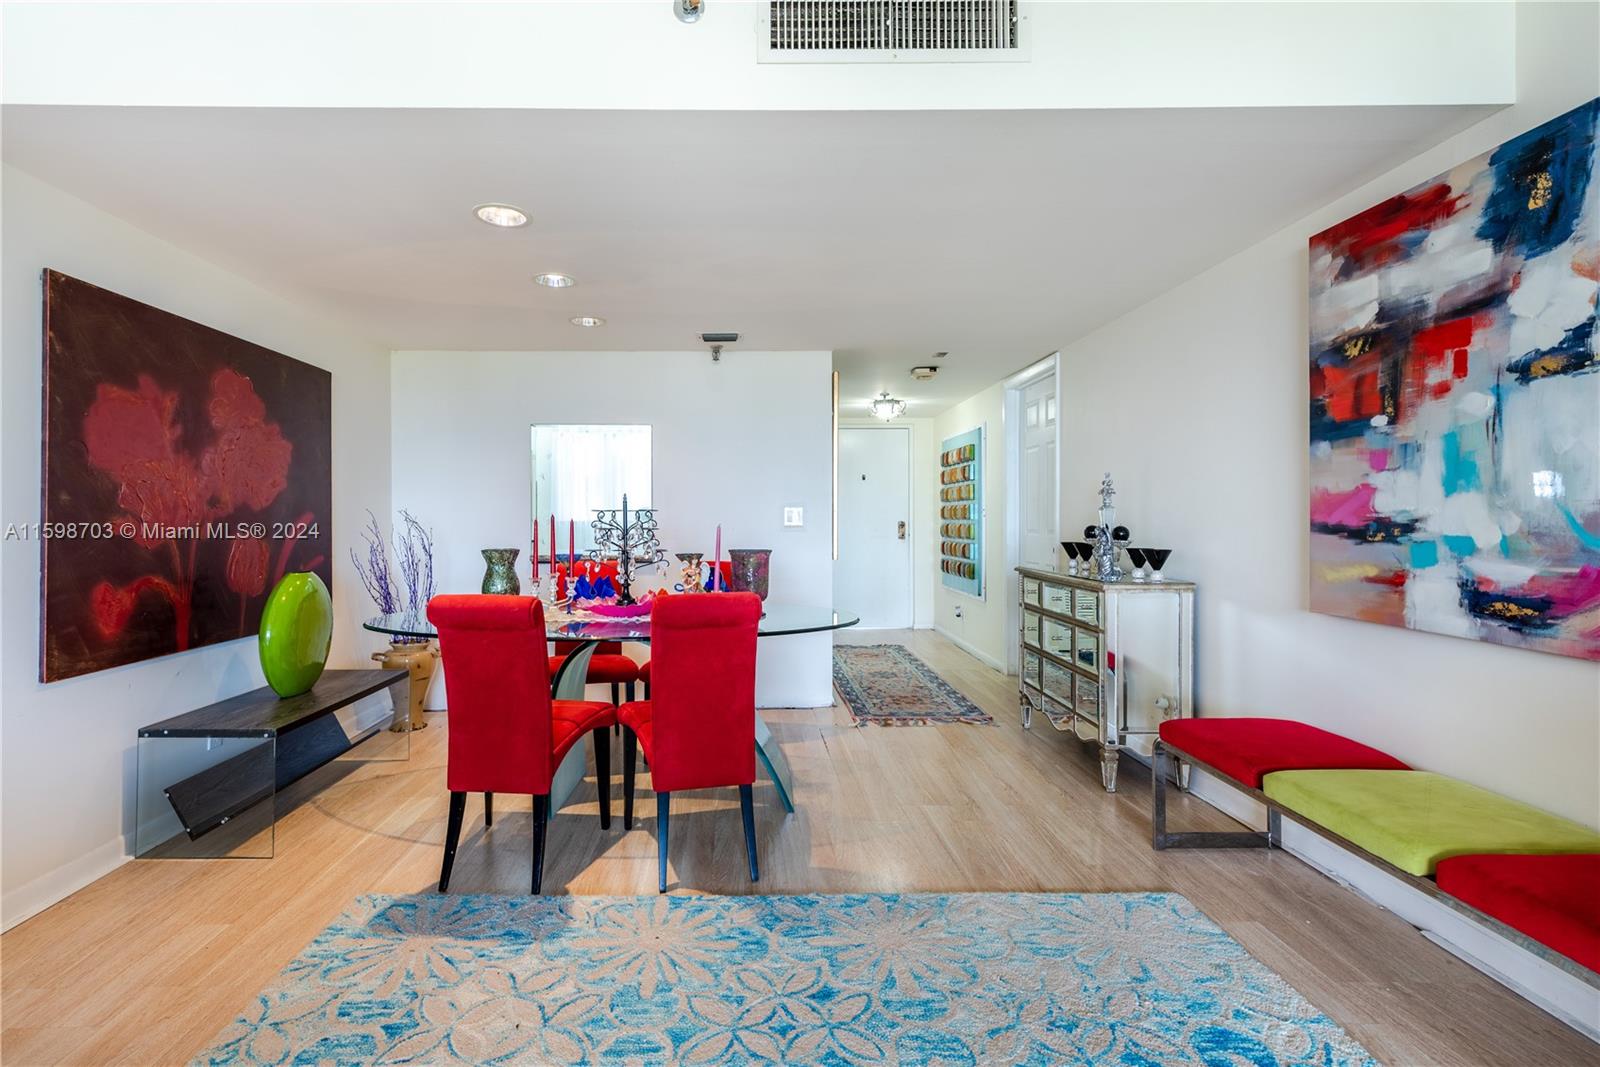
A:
(1455, 400)
(961, 512)
(185, 472)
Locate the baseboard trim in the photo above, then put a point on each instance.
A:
(982, 657)
(1536, 980)
(52, 887)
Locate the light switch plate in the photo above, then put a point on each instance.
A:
(794, 516)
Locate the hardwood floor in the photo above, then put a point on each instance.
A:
(146, 965)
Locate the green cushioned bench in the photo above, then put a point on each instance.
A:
(1414, 819)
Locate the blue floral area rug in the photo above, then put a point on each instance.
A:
(1124, 979)
(888, 686)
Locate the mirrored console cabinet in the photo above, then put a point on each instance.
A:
(1108, 661)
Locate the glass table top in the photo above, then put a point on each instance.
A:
(777, 620)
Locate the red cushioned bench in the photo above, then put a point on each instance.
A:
(1531, 876)
(1242, 750)
(1553, 899)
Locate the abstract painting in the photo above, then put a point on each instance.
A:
(185, 471)
(1455, 400)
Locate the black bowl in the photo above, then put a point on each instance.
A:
(1157, 557)
(1070, 548)
(1137, 555)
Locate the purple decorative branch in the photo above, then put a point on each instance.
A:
(414, 552)
(374, 572)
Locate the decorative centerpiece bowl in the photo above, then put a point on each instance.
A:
(640, 610)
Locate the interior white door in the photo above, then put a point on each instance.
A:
(872, 575)
(1037, 473)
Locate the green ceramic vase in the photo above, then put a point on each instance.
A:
(296, 630)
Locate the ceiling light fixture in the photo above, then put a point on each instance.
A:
(716, 341)
(500, 215)
(923, 374)
(887, 407)
(587, 320)
(556, 281)
(688, 10)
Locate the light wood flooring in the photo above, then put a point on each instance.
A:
(146, 965)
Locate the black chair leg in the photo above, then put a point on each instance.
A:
(602, 774)
(452, 834)
(630, 749)
(663, 809)
(747, 809)
(488, 809)
(632, 691)
(616, 694)
(541, 819)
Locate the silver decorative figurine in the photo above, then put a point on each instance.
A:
(1106, 543)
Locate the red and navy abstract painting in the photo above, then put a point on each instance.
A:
(185, 471)
(1455, 400)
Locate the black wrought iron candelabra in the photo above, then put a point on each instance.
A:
(630, 537)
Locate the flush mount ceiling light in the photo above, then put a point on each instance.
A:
(500, 215)
(688, 10)
(556, 281)
(887, 407)
(923, 374)
(587, 320)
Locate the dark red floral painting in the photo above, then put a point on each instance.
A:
(185, 471)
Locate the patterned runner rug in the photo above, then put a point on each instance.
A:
(989, 978)
(887, 685)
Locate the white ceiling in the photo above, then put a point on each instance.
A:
(884, 236)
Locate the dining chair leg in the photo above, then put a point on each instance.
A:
(488, 809)
(616, 694)
(663, 809)
(452, 834)
(602, 774)
(630, 750)
(541, 819)
(631, 689)
(747, 810)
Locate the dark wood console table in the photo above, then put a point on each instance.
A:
(221, 766)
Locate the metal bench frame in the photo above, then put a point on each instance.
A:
(1161, 839)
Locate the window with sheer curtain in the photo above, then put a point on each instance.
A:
(578, 469)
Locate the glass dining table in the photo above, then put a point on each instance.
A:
(588, 628)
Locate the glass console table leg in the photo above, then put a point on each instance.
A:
(770, 759)
(569, 684)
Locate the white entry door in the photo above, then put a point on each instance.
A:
(1037, 474)
(872, 576)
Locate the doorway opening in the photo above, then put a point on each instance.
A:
(1033, 483)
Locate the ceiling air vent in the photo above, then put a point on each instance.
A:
(892, 31)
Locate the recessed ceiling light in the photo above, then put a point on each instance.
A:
(556, 281)
(587, 320)
(500, 215)
(923, 374)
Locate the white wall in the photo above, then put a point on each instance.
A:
(637, 55)
(982, 628)
(734, 442)
(1197, 404)
(68, 747)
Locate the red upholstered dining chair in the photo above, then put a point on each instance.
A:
(700, 732)
(505, 733)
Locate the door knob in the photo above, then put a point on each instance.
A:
(902, 529)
